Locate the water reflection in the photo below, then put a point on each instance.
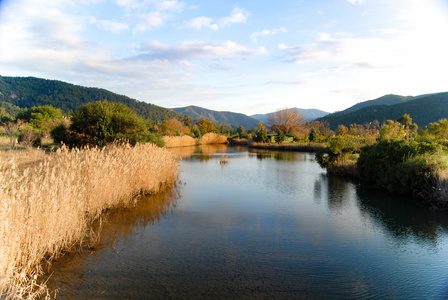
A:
(116, 226)
(267, 225)
(404, 218)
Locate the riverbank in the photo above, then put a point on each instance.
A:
(297, 146)
(47, 208)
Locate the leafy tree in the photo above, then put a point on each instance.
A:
(41, 119)
(261, 135)
(313, 135)
(439, 130)
(342, 130)
(174, 126)
(206, 126)
(187, 121)
(102, 122)
(410, 128)
(288, 120)
(281, 137)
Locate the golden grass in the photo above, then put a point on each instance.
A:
(185, 140)
(179, 141)
(213, 138)
(48, 208)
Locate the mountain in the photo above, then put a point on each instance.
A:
(423, 109)
(309, 114)
(384, 100)
(26, 92)
(226, 117)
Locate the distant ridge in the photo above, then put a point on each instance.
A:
(26, 92)
(384, 100)
(226, 117)
(423, 109)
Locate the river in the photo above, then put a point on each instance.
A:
(252, 224)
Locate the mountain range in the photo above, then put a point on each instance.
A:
(423, 109)
(26, 92)
(225, 117)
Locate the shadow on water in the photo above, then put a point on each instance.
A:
(402, 217)
(67, 273)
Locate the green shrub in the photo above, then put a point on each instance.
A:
(401, 166)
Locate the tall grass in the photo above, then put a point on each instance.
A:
(47, 208)
(179, 141)
(185, 140)
(213, 138)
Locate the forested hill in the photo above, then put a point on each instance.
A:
(26, 92)
(423, 110)
(384, 100)
(218, 116)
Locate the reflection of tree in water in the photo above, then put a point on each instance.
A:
(261, 154)
(336, 190)
(115, 225)
(403, 216)
(207, 152)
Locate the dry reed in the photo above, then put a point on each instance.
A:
(47, 208)
(179, 141)
(213, 138)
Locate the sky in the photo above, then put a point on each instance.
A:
(249, 57)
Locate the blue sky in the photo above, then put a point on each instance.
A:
(242, 56)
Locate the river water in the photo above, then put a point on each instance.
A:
(262, 225)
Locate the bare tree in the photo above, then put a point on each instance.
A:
(288, 120)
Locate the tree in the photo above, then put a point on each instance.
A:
(206, 126)
(281, 137)
(102, 122)
(288, 120)
(439, 130)
(39, 116)
(410, 128)
(261, 135)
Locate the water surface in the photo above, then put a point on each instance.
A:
(263, 225)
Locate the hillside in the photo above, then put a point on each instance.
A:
(226, 117)
(26, 92)
(384, 100)
(309, 114)
(423, 109)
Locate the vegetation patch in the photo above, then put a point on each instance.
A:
(47, 208)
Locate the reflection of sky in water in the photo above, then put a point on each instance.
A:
(269, 225)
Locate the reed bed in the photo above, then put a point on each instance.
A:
(179, 141)
(213, 138)
(47, 208)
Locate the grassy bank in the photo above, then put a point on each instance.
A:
(296, 146)
(47, 208)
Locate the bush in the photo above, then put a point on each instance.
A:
(102, 122)
(401, 166)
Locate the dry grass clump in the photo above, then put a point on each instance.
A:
(213, 138)
(48, 208)
(179, 141)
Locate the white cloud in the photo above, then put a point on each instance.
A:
(357, 1)
(196, 50)
(112, 26)
(170, 5)
(254, 36)
(149, 21)
(201, 22)
(238, 15)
